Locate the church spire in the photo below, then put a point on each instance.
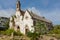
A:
(18, 5)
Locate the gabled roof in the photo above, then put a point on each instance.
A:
(39, 17)
(35, 16)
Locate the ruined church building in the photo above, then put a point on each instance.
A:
(25, 21)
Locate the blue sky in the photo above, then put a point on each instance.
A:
(47, 8)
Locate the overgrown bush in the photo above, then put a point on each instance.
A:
(33, 36)
(56, 30)
(18, 33)
(10, 31)
(7, 32)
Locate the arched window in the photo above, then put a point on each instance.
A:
(18, 28)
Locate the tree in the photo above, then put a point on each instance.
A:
(7, 24)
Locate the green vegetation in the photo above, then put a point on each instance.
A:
(4, 25)
(7, 32)
(40, 27)
(55, 30)
(10, 31)
(7, 24)
(18, 33)
(33, 36)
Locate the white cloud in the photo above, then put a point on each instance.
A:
(53, 15)
(34, 10)
(6, 12)
(7, 4)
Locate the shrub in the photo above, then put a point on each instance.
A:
(18, 33)
(7, 32)
(10, 31)
(33, 36)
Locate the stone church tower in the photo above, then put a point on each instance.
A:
(21, 21)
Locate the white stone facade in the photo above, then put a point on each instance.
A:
(22, 24)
